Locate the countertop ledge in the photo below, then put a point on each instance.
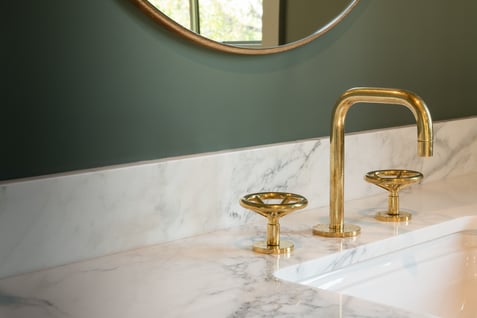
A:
(217, 274)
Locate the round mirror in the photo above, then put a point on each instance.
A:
(248, 26)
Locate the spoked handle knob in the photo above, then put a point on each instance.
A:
(273, 206)
(393, 180)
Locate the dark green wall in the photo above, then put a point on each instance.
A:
(93, 83)
(304, 17)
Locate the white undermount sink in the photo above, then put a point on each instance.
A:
(428, 271)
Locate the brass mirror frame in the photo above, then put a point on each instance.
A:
(173, 26)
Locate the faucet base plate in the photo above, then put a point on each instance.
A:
(348, 230)
(285, 247)
(389, 217)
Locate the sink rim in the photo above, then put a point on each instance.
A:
(300, 273)
(304, 271)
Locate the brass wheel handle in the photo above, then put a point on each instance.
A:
(393, 180)
(273, 206)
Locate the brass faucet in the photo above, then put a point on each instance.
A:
(337, 228)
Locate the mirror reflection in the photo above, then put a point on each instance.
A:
(254, 23)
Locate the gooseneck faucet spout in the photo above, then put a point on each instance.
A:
(414, 103)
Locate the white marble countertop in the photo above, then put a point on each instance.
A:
(217, 274)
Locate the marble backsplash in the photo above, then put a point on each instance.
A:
(61, 219)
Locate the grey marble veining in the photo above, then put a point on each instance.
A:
(217, 274)
(61, 219)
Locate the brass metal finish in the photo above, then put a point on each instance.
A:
(393, 181)
(175, 27)
(348, 230)
(367, 95)
(273, 206)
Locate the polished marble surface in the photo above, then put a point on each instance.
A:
(217, 275)
(430, 270)
(68, 218)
